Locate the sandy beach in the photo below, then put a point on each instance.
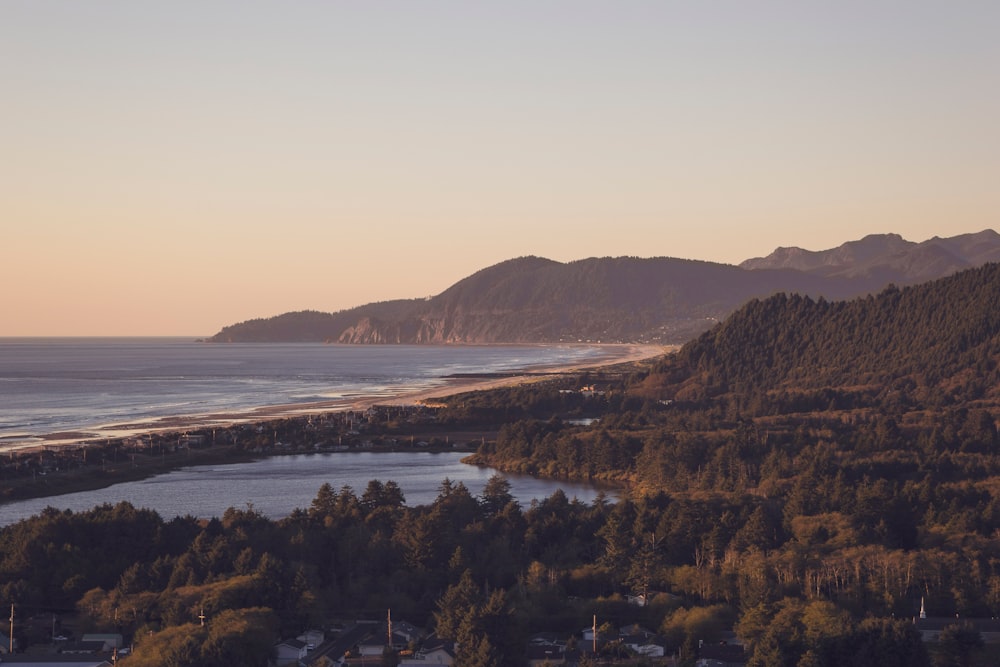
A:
(612, 354)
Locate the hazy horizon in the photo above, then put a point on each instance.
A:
(172, 168)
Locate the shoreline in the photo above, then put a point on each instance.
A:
(612, 354)
(153, 458)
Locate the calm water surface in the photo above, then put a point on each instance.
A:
(50, 385)
(276, 486)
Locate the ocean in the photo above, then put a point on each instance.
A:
(93, 385)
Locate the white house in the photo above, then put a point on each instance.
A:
(289, 652)
(312, 638)
(434, 652)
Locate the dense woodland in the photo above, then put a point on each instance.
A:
(805, 472)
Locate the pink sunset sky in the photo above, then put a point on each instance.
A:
(173, 167)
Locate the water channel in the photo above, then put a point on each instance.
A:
(276, 486)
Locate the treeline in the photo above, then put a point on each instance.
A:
(348, 555)
(479, 568)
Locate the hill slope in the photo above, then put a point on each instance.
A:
(937, 342)
(622, 299)
(529, 300)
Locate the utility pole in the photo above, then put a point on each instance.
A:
(388, 619)
(201, 617)
(594, 630)
(11, 648)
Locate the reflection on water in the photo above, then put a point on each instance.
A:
(276, 486)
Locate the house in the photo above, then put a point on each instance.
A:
(435, 651)
(408, 631)
(312, 638)
(649, 646)
(642, 641)
(289, 652)
(634, 629)
(403, 634)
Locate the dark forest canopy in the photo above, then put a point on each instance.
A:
(936, 336)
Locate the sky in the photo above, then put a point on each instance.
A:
(169, 168)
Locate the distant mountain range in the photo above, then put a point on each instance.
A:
(623, 299)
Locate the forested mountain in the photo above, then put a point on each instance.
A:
(846, 452)
(920, 356)
(630, 299)
(935, 342)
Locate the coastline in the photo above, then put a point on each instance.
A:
(71, 446)
(612, 354)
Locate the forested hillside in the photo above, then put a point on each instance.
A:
(622, 299)
(807, 472)
(935, 343)
(845, 452)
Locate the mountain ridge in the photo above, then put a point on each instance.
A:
(665, 300)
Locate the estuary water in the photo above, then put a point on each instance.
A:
(89, 385)
(277, 486)
(100, 386)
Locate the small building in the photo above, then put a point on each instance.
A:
(312, 638)
(649, 646)
(289, 652)
(403, 634)
(434, 651)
